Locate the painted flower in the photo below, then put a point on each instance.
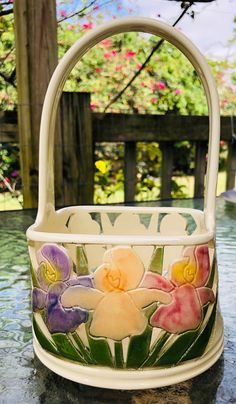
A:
(188, 277)
(116, 299)
(53, 276)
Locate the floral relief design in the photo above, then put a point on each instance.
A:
(112, 301)
(116, 299)
(187, 288)
(54, 277)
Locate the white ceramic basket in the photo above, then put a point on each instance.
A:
(125, 297)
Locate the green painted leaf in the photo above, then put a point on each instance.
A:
(156, 263)
(100, 351)
(66, 347)
(84, 351)
(212, 275)
(82, 261)
(173, 354)
(155, 350)
(199, 345)
(42, 339)
(119, 361)
(34, 277)
(139, 348)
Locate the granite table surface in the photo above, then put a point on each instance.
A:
(23, 379)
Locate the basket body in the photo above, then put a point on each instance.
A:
(144, 309)
(125, 297)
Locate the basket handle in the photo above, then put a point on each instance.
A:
(75, 53)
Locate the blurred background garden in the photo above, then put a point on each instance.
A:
(166, 85)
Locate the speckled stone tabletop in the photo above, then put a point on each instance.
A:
(23, 379)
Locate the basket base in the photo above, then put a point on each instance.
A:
(98, 376)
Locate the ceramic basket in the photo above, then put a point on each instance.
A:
(125, 297)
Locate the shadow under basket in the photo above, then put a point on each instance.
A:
(125, 297)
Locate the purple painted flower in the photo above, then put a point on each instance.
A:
(53, 276)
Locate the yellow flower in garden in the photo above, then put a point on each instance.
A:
(102, 166)
(116, 299)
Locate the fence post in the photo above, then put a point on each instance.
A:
(231, 165)
(36, 57)
(200, 168)
(166, 168)
(130, 171)
(78, 166)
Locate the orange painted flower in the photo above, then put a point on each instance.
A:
(116, 299)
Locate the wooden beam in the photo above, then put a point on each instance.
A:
(231, 165)
(78, 166)
(36, 57)
(200, 169)
(166, 169)
(139, 128)
(130, 171)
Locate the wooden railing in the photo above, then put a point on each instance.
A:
(80, 129)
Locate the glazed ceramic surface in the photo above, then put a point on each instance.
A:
(125, 297)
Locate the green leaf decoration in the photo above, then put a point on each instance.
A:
(100, 351)
(155, 350)
(199, 345)
(66, 347)
(84, 351)
(82, 261)
(119, 361)
(212, 275)
(139, 348)
(42, 339)
(156, 263)
(174, 353)
(34, 277)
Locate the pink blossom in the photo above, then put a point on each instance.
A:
(222, 142)
(159, 85)
(15, 173)
(98, 70)
(129, 54)
(107, 42)
(96, 7)
(114, 52)
(107, 55)
(153, 100)
(225, 102)
(138, 66)
(93, 105)
(142, 84)
(119, 68)
(87, 25)
(177, 91)
(63, 13)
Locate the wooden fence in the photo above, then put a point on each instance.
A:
(80, 129)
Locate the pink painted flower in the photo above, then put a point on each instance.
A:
(87, 25)
(188, 277)
(98, 70)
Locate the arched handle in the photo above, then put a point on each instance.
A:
(75, 53)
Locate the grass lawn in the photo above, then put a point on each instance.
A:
(9, 203)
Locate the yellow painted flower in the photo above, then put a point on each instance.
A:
(116, 299)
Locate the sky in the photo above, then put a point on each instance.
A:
(210, 30)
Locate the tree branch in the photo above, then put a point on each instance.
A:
(9, 79)
(154, 49)
(6, 12)
(80, 13)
